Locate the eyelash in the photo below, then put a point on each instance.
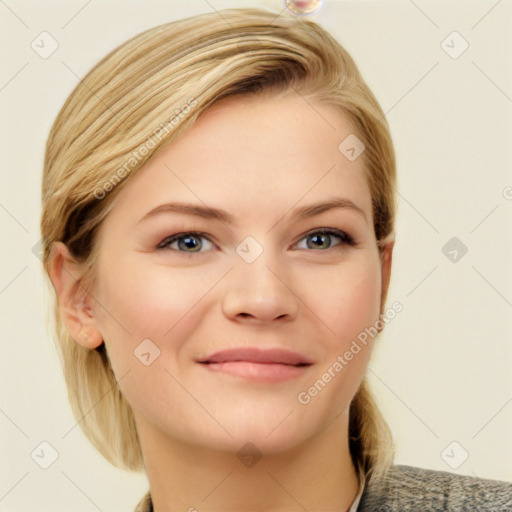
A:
(345, 238)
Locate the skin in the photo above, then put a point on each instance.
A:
(259, 159)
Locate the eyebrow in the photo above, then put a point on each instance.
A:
(206, 212)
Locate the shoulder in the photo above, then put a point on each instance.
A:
(412, 488)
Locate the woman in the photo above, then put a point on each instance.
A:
(218, 216)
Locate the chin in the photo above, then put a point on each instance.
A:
(262, 437)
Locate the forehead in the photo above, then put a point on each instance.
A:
(250, 155)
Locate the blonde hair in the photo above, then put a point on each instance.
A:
(135, 101)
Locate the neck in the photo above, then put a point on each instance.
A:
(316, 475)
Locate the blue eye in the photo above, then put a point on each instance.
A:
(189, 242)
(320, 234)
(185, 241)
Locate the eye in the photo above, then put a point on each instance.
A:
(320, 238)
(187, 242)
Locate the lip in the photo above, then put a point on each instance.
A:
(258, 355)
(255, 364)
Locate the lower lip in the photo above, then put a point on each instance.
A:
(262, 372)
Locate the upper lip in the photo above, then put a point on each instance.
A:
(258, 355)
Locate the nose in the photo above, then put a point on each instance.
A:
(260, 292)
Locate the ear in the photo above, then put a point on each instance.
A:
(386, 257)
(73, 299)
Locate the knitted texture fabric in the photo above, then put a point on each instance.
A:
(408, 488)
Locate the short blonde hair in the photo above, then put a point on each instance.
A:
(138, 99)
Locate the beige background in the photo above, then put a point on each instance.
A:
(442, 371)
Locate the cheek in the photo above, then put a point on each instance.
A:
(349, 305)
(142, 301)
(348, 300)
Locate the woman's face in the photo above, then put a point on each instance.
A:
(267, 279)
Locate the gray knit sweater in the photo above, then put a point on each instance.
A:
(408, 488)
(417, 489)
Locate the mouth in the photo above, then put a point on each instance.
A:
(258, 355)
(271, 365)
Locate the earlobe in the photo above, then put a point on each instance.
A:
(72, 297)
